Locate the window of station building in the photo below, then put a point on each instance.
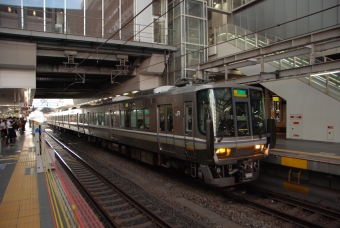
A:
(111, 19)
(194, 8)
(75, 17)
(54, 16)
(158, 7)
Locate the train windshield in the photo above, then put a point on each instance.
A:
(217, 105)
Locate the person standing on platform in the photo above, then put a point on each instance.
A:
(2, 127)
(10, 131)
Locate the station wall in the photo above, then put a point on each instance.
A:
(311, 114)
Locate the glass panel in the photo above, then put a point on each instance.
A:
(220, 101)
(122, 118)
(334, 85)
(217, 4)
(147, 118)
(242, 119)
(93, 18)
(161, 118)
(194, 28)
(127, 118)
(10, 14)
(34, 15)
(188, 117)
(133, 118)
(194, 8)
(319, 82)
(159, 31)
(195, 55)
(158, 7)
(170, 118)
(257, 112)
(236, 3)
(140, 119)
(127, 15)
(54, 16)
(95, 118)
(75, 17)
(111, 19)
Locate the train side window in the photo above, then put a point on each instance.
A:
(162, 118)
(140, 119)
(128, 118)
(101, 118)
(122, 118)
(95, 118)
(147, 118)
(134, 118)
(188, 118)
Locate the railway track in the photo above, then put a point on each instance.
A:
(294, 211)
(120, 208)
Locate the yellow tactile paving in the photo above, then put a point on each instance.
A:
(20, 206)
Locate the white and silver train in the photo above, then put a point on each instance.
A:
(213, 132)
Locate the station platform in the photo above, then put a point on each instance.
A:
(26, 196)
(310, 155)
(301, 165)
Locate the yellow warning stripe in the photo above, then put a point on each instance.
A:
(294, 162)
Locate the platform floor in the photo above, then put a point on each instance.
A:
(310, 155)
(24, 199)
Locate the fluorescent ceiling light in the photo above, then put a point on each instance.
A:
(332, 72)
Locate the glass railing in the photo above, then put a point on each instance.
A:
(247, 40)
(57, 22)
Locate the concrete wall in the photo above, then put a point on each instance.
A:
(318, 113)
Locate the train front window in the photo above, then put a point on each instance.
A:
(216, 105)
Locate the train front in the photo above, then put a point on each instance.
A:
(234, 123)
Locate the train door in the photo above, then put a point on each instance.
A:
(113, 125)
(165, 129)
(189, 129)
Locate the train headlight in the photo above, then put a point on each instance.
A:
(259, 147)
(223, 151)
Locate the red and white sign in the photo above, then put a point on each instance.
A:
(296, 126)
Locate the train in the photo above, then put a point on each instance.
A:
(214, 132)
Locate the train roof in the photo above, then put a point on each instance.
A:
(185, 86)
